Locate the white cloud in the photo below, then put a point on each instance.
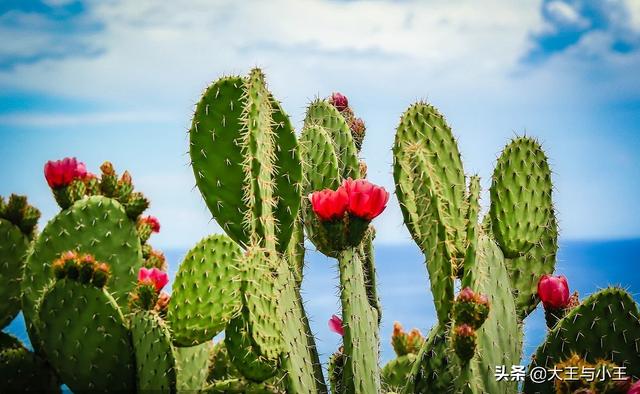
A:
(150, 61)
(566, 14)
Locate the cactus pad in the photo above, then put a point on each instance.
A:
(85, 338)
(200, 309)
(13, 250)
(95, 225)
(321, 113)
(521, 204)
(424, 134)
(155, 363)
(606, 325)
(219, 138)
(242, 354)
(22, 370)
(192, 366)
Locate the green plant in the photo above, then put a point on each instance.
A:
(90, 284)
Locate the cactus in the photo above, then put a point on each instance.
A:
(90, 284)
(17, 227)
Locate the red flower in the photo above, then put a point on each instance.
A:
(335, 325)
(153, 222)
(553, 291)
(635, 389)
(62, 172)
(154, 277)
(329, 204)
(366, 200)
(339, 101)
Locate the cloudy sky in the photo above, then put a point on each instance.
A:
(118, 80)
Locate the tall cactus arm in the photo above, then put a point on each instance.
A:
(361, 370)
(473, 210)
(423, 133)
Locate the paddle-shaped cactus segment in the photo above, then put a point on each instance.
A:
(242, 354)
(473, 210)
(261, 292)
(95, 225)
(432, 372)
(155, 363)
(13, 249)
(321, 113)
(206, 291)
(422, 200)
(192, 365)
(243, 149)
(606, 325)
(500, 337)
(320, 171)
(361, 371)
(300, 359)
(394, 375)
(521, 204)
(22, 370)
(425, 148)
(85, 338)
(525, 271)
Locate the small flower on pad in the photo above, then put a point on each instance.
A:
(153, 276)
(339, 101)
(553, 291)
(153, 222)
(366, 200)
(335, 325)
(329, 204)
(61, 173)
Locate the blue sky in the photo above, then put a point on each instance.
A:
(118, 80)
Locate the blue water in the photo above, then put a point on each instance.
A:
(403, 287)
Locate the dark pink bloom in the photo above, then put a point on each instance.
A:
(635, 389)
(466, 295)
(153, 222)
(62, 172)
(153, 276)
(366, 200)
(329, 204)
(339, 101)
(553, 291)
(335, 325)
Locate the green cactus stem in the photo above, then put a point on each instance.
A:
(361, 371)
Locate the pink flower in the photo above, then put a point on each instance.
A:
(153, 276)
(329, 204)
(466, 295)
(366, 200)
(335, 325)
(635, 389)
(62, 172)
(553, 291)
(339, 101)
(153, 222)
